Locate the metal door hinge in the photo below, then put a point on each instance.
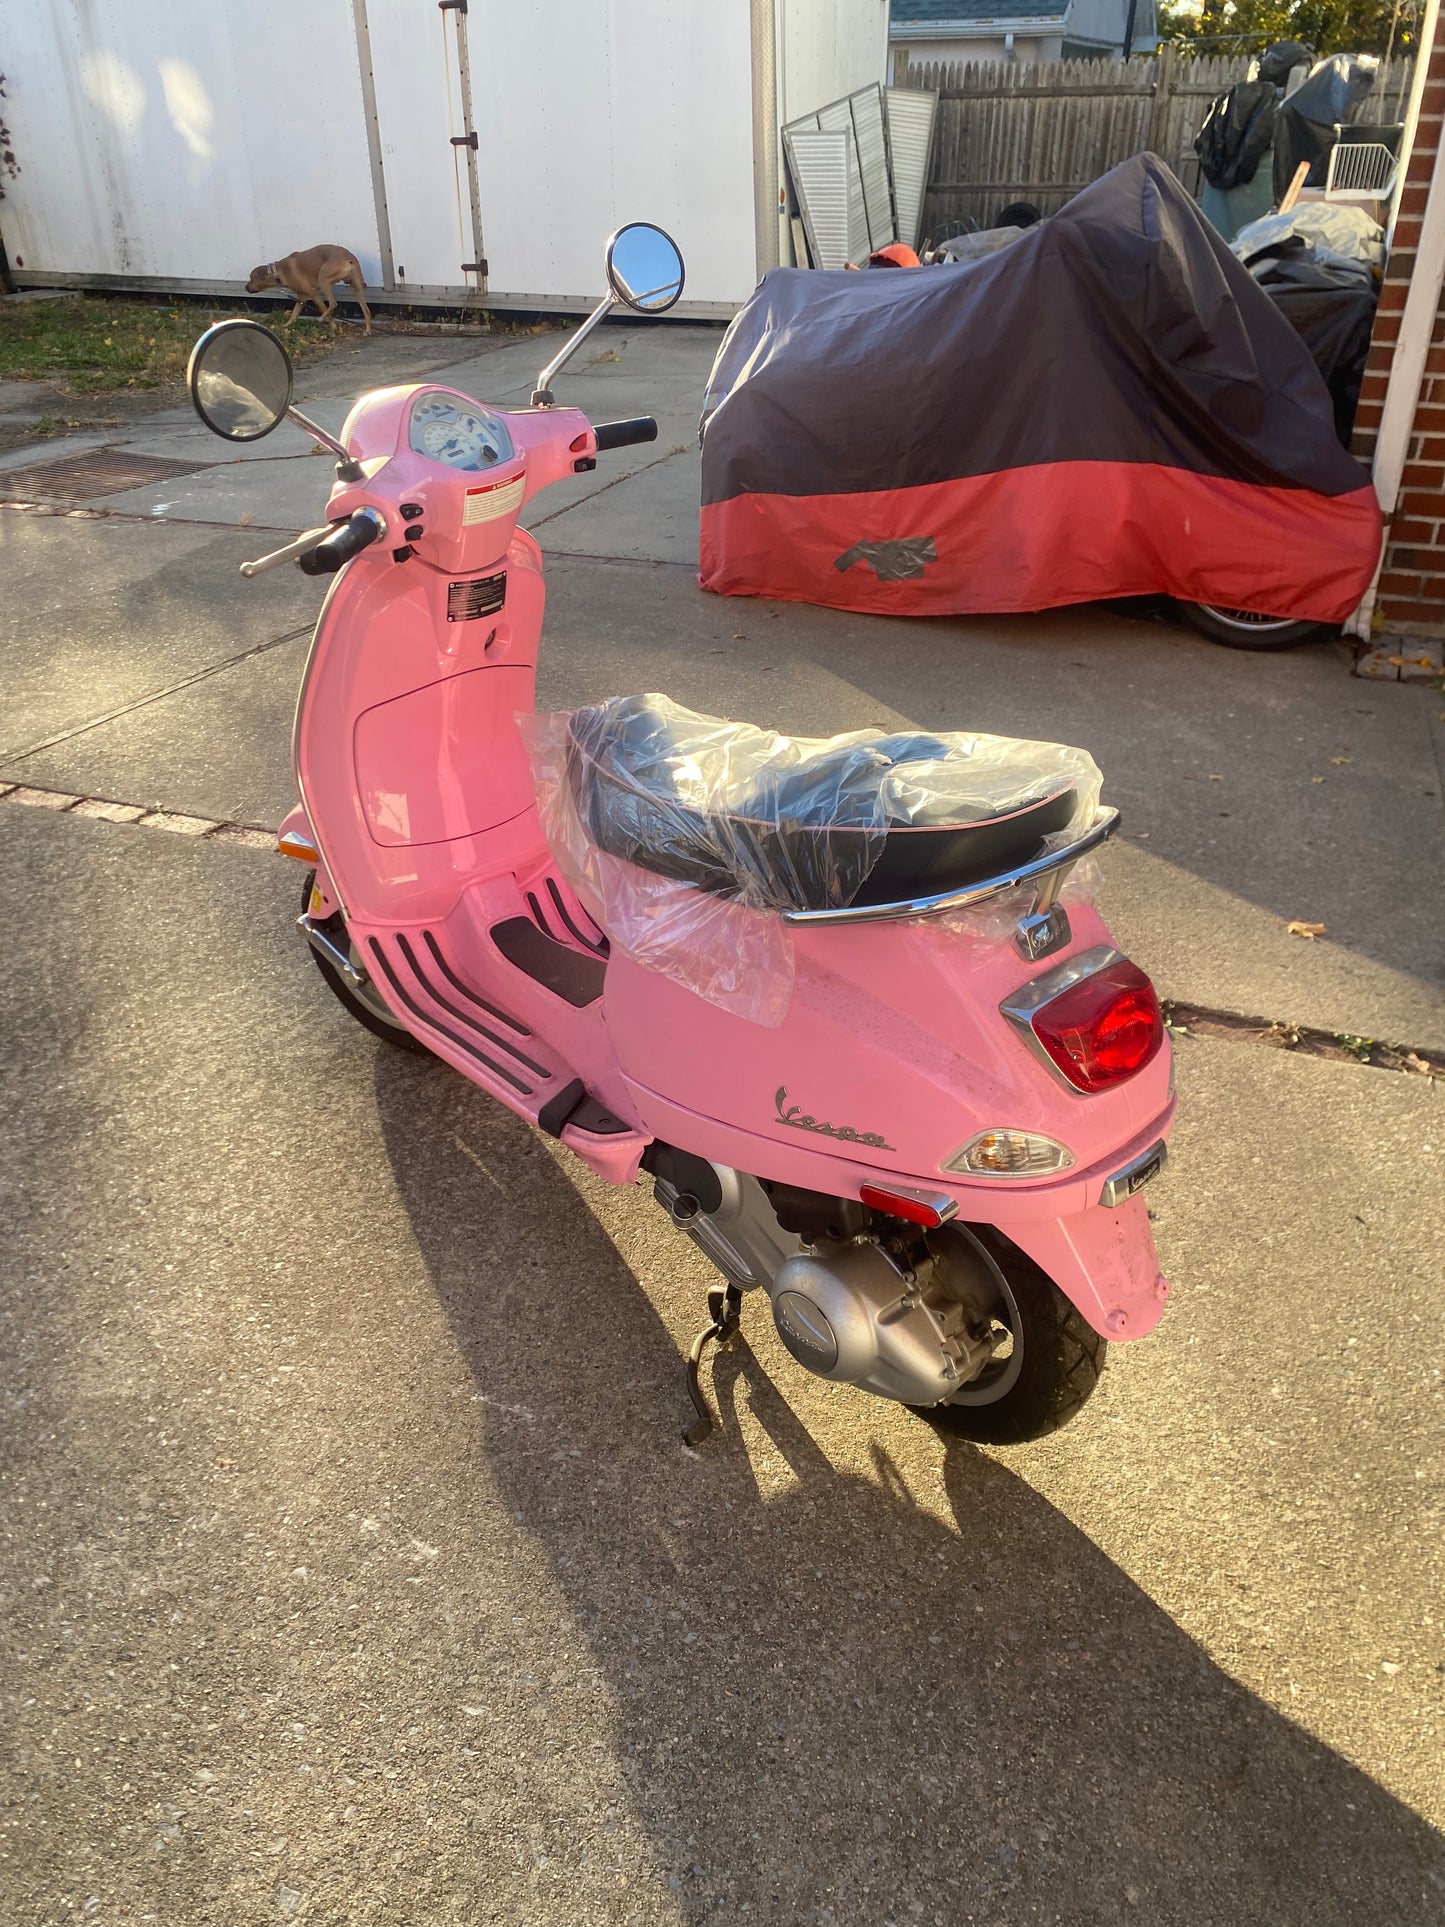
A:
(452, 6)
(475, 267)
(465, 140)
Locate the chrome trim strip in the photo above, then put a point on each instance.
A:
(1132, 1177)
(1105, 822)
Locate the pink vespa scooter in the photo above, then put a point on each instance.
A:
(931, 1159)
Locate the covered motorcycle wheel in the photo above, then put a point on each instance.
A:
(1046, 1363)
(1241, 629)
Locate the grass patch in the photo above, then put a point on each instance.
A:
(97, 345)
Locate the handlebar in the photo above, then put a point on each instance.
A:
(642, 428)
(345, 540)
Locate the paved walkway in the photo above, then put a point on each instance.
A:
(355, 1572)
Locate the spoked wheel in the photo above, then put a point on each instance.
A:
(1241, 629)
(365, 1005)
(1047, 1359)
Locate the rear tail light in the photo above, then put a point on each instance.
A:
(1103, 1028)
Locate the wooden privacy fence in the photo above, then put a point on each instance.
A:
(1007, 132)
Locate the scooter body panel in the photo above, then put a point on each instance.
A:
(892, 1040)
(416, 788)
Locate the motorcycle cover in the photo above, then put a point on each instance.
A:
(1308, 119)
(1110, 407)
(1237, 133)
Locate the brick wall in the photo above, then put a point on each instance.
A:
(1412, 582)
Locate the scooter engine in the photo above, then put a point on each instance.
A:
(909, 1322)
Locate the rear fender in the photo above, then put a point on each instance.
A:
(1104, 1262)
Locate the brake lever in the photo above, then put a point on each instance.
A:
(303, 545)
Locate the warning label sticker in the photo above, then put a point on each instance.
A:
(496, 499)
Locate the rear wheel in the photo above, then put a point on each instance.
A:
(1046, 1363)
(1240, 629)
(364, 1004)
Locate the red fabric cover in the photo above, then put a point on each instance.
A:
(1035, 538)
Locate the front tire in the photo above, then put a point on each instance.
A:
(368, 1010)
(1239, 629)
(1053, 1362)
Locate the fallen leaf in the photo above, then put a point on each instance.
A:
(1418, 1064)
(1389, 1666)
(740, 638)
(1140, 836)
(225, 1465)
(1216, 779)
(1310, 930)
(1339, 761)
(1317, 779)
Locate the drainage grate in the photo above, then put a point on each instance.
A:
(105, 472)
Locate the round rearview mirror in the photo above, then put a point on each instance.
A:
(239, 376)
(644, 268)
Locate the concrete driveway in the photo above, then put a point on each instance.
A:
(354, 1569)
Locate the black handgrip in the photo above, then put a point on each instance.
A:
(358, 532)
(619, 434)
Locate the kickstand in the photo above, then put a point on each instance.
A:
(724, 1305)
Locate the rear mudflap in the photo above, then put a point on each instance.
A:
(1103, 1261)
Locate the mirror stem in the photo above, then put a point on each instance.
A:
(347, 470)
(542, 393)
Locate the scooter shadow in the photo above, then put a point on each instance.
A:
(829, 1707)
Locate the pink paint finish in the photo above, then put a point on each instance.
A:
(1105, 1261)
(416, 786)
(471, 785)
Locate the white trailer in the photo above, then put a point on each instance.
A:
(477, 151)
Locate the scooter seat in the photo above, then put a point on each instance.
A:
(822, 832)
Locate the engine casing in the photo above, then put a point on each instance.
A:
(847, 1312)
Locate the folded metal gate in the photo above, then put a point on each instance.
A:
(858, 169)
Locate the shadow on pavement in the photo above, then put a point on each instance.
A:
(828, 1707)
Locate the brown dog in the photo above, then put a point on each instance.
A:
(309, 275)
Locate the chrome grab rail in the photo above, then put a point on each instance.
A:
(1106, 821)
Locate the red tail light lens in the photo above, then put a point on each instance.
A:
(1103, 1029)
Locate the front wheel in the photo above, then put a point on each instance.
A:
(365, 1005)
(1047, 1360)
(1240, 629)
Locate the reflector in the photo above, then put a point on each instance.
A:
(918, 1207)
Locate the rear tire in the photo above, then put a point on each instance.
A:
(1060, 1359)
(1238, 629)
(372, 1015)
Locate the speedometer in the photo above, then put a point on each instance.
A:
(466, 438)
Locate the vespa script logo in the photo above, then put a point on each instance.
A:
(798, 1119)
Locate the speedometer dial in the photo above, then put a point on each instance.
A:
(462, 443)
(466, 438)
